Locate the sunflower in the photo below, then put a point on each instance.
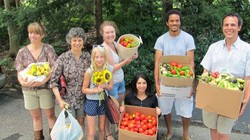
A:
(107, 75)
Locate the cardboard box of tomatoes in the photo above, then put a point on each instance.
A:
(176, 76)
(138, 123)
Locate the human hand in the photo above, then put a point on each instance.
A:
(191, 93)
(135, 56)
(128, 60)
(157, 88)
(158, 110)
(63, 104)
(243, 107)
(122, 108)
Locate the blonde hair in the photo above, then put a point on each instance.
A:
(108, 23)
(100, 49)
(37, 28)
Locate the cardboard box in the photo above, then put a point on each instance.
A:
(219, 100)
(176, 87)
(129, 135)
(176, 92)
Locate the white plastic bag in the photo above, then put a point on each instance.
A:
(66, 127)
(24, 73)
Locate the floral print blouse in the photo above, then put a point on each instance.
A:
(73, 71)
(24, 58)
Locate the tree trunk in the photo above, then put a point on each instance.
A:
(98, 17)
(166, 5)
(12, 30)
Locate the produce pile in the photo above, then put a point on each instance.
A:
(39, 69)
(174, 69)
(128, 42)
(223, 80)
(139, 123)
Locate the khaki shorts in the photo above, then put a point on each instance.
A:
(41, 98)
(223, 124)
(77, 113)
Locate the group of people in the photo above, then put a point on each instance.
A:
(83, 95)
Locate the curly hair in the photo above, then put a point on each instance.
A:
(76, 32)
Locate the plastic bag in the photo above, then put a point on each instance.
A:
(36, 71)
(66, 127)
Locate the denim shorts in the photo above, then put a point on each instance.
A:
(118, 88)
(92, 107)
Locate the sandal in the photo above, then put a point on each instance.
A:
(166, 137)
(109, 137)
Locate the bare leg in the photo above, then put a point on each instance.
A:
(121, 98)
(81, 122)
(107, 130)
(36, 115)
(91, 127)
(168, 124)
(224, 136)
(50, 114)
(185, 123)
(214, 134)
(101, 126)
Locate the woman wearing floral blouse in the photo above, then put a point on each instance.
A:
(37, 95)
(72, 64)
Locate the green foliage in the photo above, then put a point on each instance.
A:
(201, 18)
(7, 64)
(58, 16)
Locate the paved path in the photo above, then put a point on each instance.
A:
(15, 123)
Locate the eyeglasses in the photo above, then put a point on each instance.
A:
(97, 46)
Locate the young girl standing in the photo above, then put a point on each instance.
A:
(94, 105)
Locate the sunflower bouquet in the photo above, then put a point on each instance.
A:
(101, 77)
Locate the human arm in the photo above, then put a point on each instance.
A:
(155, 104)
(246, 96)
(190, 54)
(158, 55)
(117, 66)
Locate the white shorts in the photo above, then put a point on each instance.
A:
(183, 106)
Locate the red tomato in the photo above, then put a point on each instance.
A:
(213, 75)
(126, 115)
(125, 123)
(136, 129)
(142, 117)
(138, 125)
(131, 125)
(150, 125)
(190, 73)
(137, 114)
(137, 118)
(217, 73)
(141, 130)
(154, 122)
(146, 132)
(144, 127)
(153, 129)
(179, 66)
(173, 71)
(124, 119)
(144, 121)
(173, 64)
(150, 132)
(182, 73)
